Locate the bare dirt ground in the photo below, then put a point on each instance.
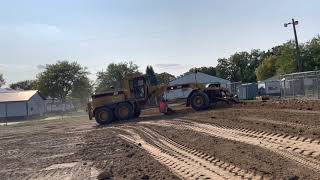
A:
(256, 140)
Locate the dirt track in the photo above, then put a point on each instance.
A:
(247, 141)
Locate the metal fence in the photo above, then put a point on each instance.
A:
(233, 87)
(303, 84)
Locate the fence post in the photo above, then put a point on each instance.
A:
(6, 106)
(293, 84)
(284, 87)
(318, 83)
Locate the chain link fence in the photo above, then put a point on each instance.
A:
(303, 84)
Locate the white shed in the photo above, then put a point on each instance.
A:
(21, 104)
(270, 86)
(199, 78)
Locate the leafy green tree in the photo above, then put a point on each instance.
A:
(267, 69)
(114, 74)
(24, 85)
(223, 68)
(60, 80)
(311, 54)
(286, 62)
(165, 78)
(240, 66)
(151, 76)
(81, 91)
(210, 70)
(278, 60)
(255, 59)
(2, 81)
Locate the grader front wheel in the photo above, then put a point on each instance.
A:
(199, 101)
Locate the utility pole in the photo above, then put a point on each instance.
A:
(298, 58)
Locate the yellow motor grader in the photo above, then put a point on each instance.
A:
(137, 92)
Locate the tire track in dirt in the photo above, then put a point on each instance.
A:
(302, 150)
(185, 162)
(74, 170)
(305, 146)
(48, 148)
(302, 145)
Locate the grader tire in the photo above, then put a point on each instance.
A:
(199, 101)
(104, 115)
(124, 111)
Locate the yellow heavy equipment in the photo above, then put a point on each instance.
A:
(137, 92)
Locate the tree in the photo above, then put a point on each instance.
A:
(114, 74)
(81, 91)
(210, 70)
(286, 62)
(255, 59)
(240, 66)
(2, 81)
(151, 76)
(24, 85)
(223, 68)
(278, 60)
(165, 78)
(59, 80)
(267, 69)
(310, 54)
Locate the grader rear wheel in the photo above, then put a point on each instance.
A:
(124, 111)
(103, 115)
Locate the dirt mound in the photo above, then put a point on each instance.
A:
(298, 104)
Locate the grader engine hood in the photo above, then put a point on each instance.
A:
(105, 98)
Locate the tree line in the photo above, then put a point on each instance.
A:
(258, 65)
(66, 79)
(69, 80)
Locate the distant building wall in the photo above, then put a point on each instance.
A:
(270, 87)
(2, 110)
(247, 91)
(273, 88)
(36, 105)
(16, 109)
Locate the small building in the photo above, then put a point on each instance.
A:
(247, 91)
(270, 86)
(21, 104)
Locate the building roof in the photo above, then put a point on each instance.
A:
(199, 78)
(16, 96)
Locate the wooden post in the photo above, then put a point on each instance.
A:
(6, 107)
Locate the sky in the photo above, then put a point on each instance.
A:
(171, 35)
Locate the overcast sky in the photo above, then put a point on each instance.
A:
(171, 35)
